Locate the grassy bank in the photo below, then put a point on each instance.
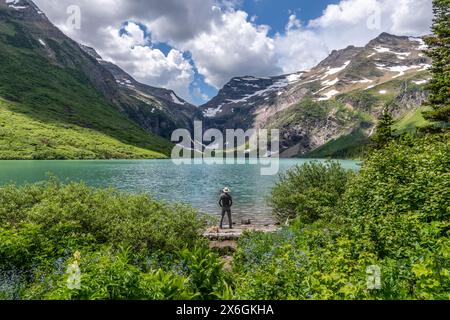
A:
(24, 137)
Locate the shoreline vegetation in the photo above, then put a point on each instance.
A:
(382, 233)
(334, 223)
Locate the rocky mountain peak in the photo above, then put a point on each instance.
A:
(127, 82)
(387, 39)
(26, 9)
(248, 91)
(91, 51)
(339, 57)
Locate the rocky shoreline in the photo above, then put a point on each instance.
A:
(217, 234)
(224, 241)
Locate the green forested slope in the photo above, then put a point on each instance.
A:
(51, 108)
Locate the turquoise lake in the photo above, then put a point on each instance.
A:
(198, 185)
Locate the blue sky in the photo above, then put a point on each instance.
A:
(268, 12)
(194, 47)
(276, 13)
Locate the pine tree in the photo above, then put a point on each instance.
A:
(439, 51)
(384, 132)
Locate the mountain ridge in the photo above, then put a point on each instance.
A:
(383, 72)
(337, 100)
(48, 78)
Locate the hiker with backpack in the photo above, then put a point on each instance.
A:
(226, 202)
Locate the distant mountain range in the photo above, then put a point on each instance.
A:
(61, 100)
(332, 108)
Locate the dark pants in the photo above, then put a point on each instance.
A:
(226, 210)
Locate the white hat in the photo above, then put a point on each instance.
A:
(226, 190)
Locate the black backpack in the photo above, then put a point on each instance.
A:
(226, 200)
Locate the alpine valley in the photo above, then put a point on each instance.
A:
(61, 100)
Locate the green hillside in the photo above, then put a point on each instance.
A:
(25, 137)
(348, 146)
(50, 109)
(411, 121)
(368, 104)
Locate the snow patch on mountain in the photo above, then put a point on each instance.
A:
(400, 55)
(419, 82)
(15, 4)
(212, 112)
(175, 99)
(363, 81)
(330, 82)
(331, 71)
(399, 69)
(329, 95)
(250, 78)
(125, 82)
(422, 44)
(295, 77)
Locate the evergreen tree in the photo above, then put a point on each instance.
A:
(439, 51)
(384, 132)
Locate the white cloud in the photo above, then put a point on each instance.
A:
(132, 52)
(200, 95)
(411, 17)
(350, 22)
(226, 42)
(293, 23)
(299, 50)
(233, 46)
(347, 12)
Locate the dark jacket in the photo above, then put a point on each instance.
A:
(225, 201)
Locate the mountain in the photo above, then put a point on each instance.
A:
(60, 100)
(230, 108)
(157, 110)
(331, 109)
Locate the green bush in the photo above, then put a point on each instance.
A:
(309, 192)
(100, 216)
(395, 215)
(42, 225)
(110, 275)
(206, 274)
(400, 198)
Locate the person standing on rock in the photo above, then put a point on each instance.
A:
(226, 202)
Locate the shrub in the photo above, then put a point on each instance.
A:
(395, 215)
(400, 198)
(309, 192)
(110, 275)
(100, 216)
(207, 276)
(42, 225)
